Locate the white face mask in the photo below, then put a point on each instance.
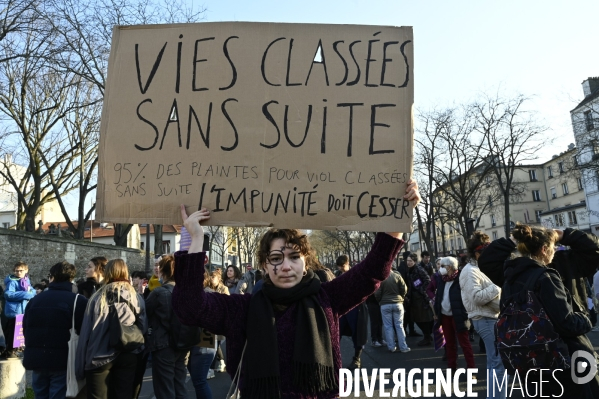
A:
(443, 271)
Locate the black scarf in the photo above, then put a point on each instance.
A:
(313, 367)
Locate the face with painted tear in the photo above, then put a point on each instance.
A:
(285, 265)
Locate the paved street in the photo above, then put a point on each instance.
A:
(377, 358)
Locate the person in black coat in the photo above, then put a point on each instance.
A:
(573, 265)
(408, 322)
(570, 321)
(450, 309)
(354, 323)
(46, 327)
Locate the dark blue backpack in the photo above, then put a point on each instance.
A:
(524, 336)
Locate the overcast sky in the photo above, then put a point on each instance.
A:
(542, 49)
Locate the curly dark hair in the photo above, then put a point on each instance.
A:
(236, 272)
(532, 239)
(290, 236)
(478, 239)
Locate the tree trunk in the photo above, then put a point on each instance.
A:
(506, 209)
(157, 239)
(121, 231)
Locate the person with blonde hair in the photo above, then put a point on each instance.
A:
(108, 371)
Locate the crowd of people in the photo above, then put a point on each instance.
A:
(282, 323)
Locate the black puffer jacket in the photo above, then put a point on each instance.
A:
(570, 324)
(47, 324)
(458, 311)
(573, 265)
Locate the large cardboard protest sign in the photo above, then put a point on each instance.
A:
(290, 125)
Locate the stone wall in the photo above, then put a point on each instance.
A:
(40, 252)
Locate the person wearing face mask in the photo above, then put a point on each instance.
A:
(450, 310)
(537, 256)
(286, 336)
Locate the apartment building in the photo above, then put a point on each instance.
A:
(550, 194)
(585, 125)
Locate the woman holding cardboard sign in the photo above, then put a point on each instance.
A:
(284, 339)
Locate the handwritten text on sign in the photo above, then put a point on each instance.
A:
(306, 126)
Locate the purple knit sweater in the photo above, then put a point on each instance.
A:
(227, 314)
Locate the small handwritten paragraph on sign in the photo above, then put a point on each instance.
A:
(287, 125)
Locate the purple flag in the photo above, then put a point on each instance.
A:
(19, 339)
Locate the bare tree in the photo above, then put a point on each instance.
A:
(83, 31)
(78, 153)
(34, 100)
(16, 18)
(512, 136)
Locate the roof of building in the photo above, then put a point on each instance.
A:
(581, 204)
(588, 99)
(107, 229)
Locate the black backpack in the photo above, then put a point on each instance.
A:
(524, 335)
(181, 337)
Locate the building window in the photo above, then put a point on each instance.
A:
(494, 235)
(565, 188)
(166, 246)
(559, 220)
(451, 243)
(536, 195)
(490, 199)
(459, 243)
(572, 218)
(588, 120)
(493, 224)
(532, 174)
(549, 171)
(5, 225)
(553, 193)
(142, 245)
(579, 181)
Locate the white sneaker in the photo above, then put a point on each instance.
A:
(595, 329)
(210, 374)
(220, 367)
(393, 350)
(376, 344)
(405, 350)
(384, 343)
